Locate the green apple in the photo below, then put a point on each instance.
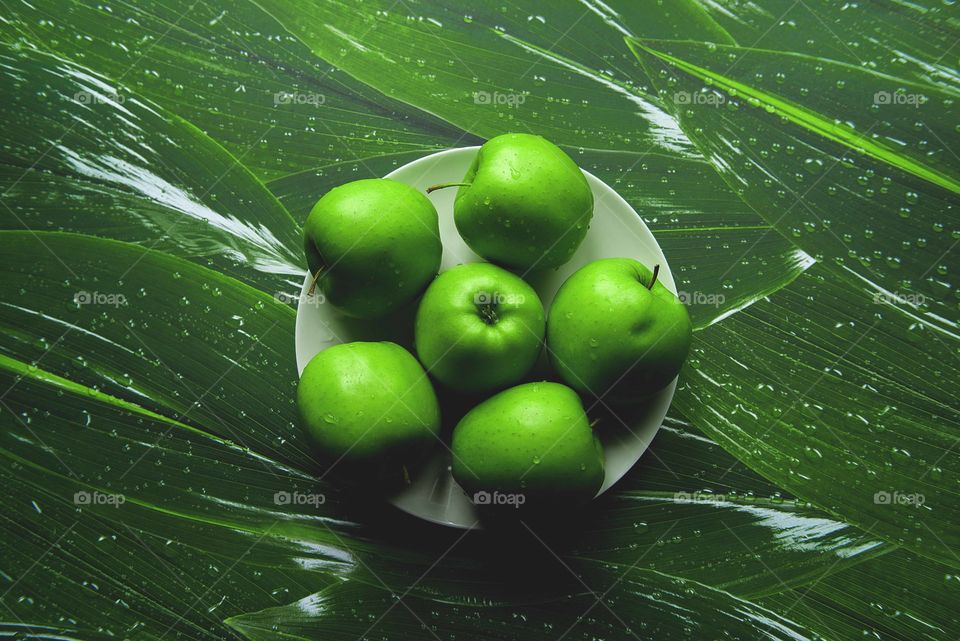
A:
(373, 245)
(614, 330)
(367, 403)
(532, 443)
(523, 203)
(479, 328)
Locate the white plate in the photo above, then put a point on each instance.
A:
(616, 231)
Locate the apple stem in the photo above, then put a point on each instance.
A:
(489, 314)
(406, 474)
(445, 185)
(313, 284)
(656, 271)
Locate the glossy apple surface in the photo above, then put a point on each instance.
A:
(367, 403)
(375, 244)
(610, 334)
(526, 205)
(479, 328)
(532, 440)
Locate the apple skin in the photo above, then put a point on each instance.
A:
(528, 205)
(532, 439)
(367, 404)
(377, 242)
(479, 328)
(610, 336)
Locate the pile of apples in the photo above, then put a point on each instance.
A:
(613, 331)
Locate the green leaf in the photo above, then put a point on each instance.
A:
(133, 569)
(873, 195)
(769, 542)
(81, 158)
(470, 68)
(643, 603)
(232, 71)
(908, 39)
(175, 338)
(898, 145)
(841, 400)
(888, 421)
(901, 596)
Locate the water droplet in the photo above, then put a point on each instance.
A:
(812, 453)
